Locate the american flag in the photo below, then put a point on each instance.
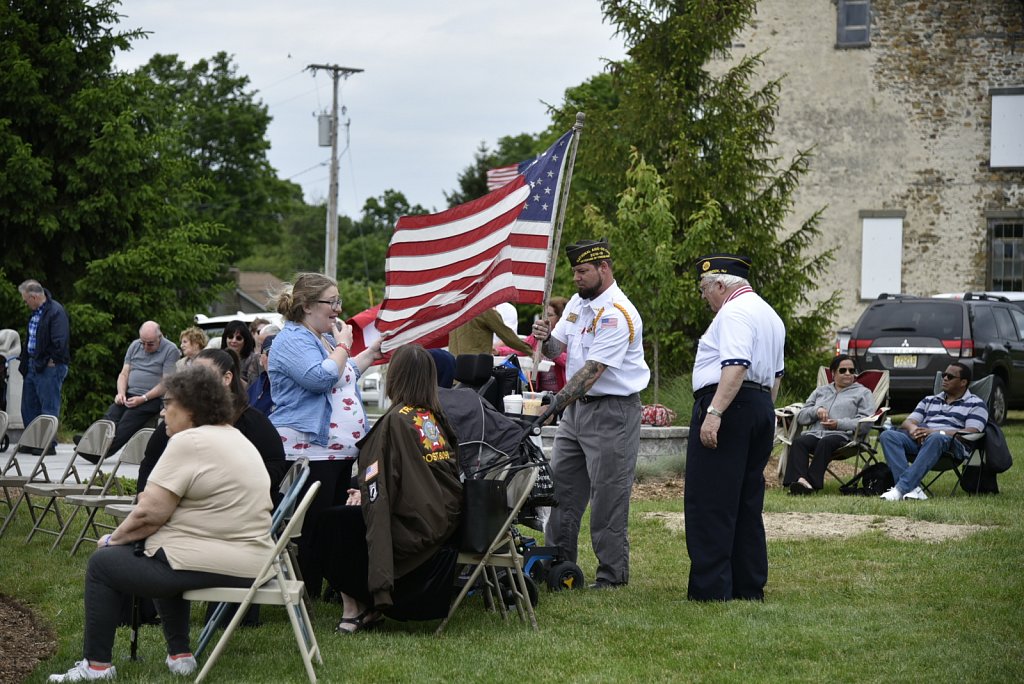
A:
(444, 269)
(504, 175)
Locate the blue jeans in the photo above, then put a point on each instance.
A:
(899, 448)
(40, 393)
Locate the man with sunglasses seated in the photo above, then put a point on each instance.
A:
(930, 431)
(140, 385)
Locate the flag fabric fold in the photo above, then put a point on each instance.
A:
(444, 269)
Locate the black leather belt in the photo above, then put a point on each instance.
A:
(591, 400)
(746, 384)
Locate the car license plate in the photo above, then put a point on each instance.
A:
(904, 361)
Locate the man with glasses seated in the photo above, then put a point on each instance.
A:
(140, 383)
(930, 431)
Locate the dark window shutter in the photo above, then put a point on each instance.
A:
(853, 24)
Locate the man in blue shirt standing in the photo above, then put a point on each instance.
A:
(46, 353)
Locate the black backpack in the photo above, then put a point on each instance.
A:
(874, 480)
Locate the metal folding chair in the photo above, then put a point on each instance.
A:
(502, 553)
(94, 442)
(35, 440)
(133, 453)
(275, 584)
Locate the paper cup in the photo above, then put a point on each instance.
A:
(513, 403)
(532, 403)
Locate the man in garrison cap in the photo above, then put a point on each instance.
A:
(736, 377)
(598, 437)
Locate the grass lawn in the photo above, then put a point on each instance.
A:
(863, 608)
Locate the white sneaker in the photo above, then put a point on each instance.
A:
(892, 495)
(916, 493)
(81, 672)
(182, 665)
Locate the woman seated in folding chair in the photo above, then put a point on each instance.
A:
(832, 412)
(394, 551)
(203, 521)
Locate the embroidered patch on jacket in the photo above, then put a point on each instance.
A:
(572, 317)
(371, 489)
(435, 447)
(371, 472)
(609, 322)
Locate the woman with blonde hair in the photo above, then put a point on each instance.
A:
(317, 409)
(193, 340)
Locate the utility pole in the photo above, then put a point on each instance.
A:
(331, 248)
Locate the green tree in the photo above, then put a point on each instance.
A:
(223, 138)
(94, 191)
(706, 128)
(645, 208)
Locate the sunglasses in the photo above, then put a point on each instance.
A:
(237, 336)
(846, 371)
(950, 376)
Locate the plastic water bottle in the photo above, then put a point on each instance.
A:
(887, 425)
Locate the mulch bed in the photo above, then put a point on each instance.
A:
(25, 640)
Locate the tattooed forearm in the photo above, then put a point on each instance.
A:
(579, 383)
(552, 347)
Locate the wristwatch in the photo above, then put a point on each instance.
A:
(714, 412)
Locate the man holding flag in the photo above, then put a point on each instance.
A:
(598, 437)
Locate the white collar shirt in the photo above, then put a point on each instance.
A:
(608, 330)
(746, 332)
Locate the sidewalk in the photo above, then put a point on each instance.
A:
(55, 464)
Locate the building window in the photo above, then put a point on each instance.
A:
(853, 23)
(1006, 256)
(881, 253)
(1007, 143)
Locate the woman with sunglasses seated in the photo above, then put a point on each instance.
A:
(832, 412)
(239, 339)
(204, 520)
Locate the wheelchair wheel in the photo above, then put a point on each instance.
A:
(509, 595)
(565, 575)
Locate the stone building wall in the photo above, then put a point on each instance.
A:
(902, 125)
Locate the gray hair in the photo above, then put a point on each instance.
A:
(31, 287)
(725, 278)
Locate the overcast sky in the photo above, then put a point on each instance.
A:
(440, 77)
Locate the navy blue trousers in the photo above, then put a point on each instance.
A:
(724, 497)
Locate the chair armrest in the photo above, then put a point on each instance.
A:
(970, 438)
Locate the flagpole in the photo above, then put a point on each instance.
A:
(556, 238)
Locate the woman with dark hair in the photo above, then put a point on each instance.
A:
(204, 519)
(317, 411)
(250, 422)
(394, 554)
(832, 412)
(238, 338)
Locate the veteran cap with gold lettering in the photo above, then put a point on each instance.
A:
(588, 251)
(723, 264)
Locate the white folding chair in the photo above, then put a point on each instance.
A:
(275, 584)
(94, 442)
(290, 487)
(502, 553)
(35, 440)
(133, 453)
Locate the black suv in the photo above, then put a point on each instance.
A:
(915, 337)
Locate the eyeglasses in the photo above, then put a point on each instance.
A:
(703, 287)
(149, 343)
(846, 371)
(333, 303)
(950, 376)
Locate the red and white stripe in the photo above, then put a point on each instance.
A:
(501, 176)
(444, 269)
